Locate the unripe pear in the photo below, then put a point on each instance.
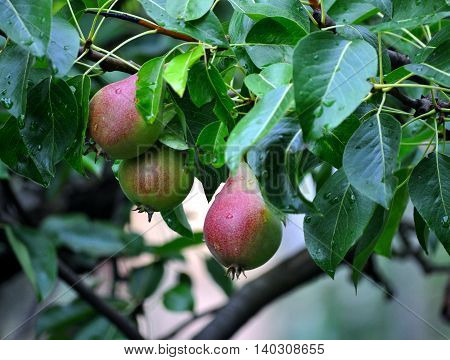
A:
(159, 179)
(240, 230)
(116, 125)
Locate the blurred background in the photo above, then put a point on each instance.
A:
(323, 309)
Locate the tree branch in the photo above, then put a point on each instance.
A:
(149, 24)
(189, 321)
(245, 303)
(122, 323)
(109, 64)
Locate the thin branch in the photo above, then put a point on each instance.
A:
(109, 64)
(143, 22)
(122, 323)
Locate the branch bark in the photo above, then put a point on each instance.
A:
(122, 323)
(245, 303)
(145, 23)
(109, 64)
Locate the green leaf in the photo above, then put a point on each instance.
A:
(37, 256)
(93, 238)
(284, 11)
(211, 142)
(207, 29)
(3, 172)
(257, 123)
(188, 10)
(431, 73)
(57, 319)
(367, 242)
(224, 108)
(144, 281)
(17, 157)
(433, 174)
(176, 71)
(211, 178)
(349, 11)
(422, 230)
(81, 87)
(270, 78)
(264, 55)
(27, 23)
(51, 124)
(180, 298)
(354, 32)
(177, 221)
(218, 274)
(344, 215)
(409, 14)
(370, 158)
(15, 64)
(238, 28)
(330, 80)
(277, 161)
(177, 245)
(331, 146)
(150, 88)
(63, 46)
(99, 328)
(198, 85)
(394, 215)
(271, 31)
(438, 39)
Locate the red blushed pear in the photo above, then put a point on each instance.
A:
(116, 125)
(158, 180)
(240, 230)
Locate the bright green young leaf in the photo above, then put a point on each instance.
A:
(344, 215)
(218, 274)
(150, 89)
(81, 87)
(37, 256)
(330, 80)
(270, 78)
(145, 280)
(211, 142)
(27, 23)
(394, 215)
(370, 158)
(207, 29)
(257, 123)
(15, 64)
(63, 46)
(433, 204)
(176, 71)
(188, 10)
(180, 298)
(198, 85)
(366, 243)
(176, 219)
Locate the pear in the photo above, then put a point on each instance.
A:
(241, 230)
(116, 125)
(157, 180)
